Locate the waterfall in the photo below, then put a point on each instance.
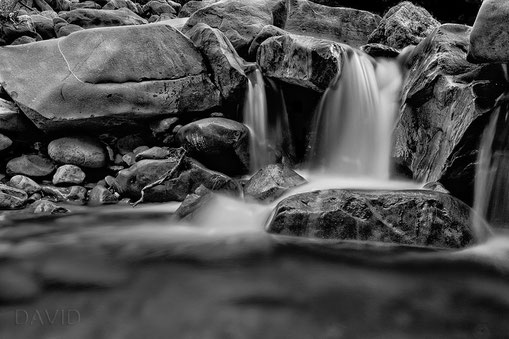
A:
(353, 126)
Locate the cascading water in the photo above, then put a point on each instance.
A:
(353, 125)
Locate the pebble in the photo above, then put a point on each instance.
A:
(80, 151)
(68, 175)
(25, 183)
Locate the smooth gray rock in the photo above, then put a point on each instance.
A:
(80, 151)
(34, 166)
(68, 175)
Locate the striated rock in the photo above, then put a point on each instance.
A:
(240, 20)
(90, 18)
(24, 183)
(68, 175)
(131, 73)
(226, 65)
(300, 60)
(79, 151)
(346, 25)
(100, 195)
(12, 198)
(220, 144)
(5, 142)
(437, 133)
(268, 31)
(72, 194)
(47, 207)
(404, 25)
(34, 166)
(422, 218)
(271, 182)
(153, 153)
(490, 35)
(380, 51)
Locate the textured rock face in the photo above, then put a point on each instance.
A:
(404, 25)
(439, 110)
(90, 18)
(345, 25)
(300, 60)
(79, 151)
(239, 20)
(424, 218)
(489, 40)
(107, 77)
(220, 144)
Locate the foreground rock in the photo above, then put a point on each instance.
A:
(78, 151)
(404, 25)
(12, 198)
(423, 218)
(220, 144)
(341, 24)
(271, 182)
(490, 34)
(300, 60)
(131, 73)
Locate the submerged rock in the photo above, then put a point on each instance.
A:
(34, 166)
(421, 218)
(271, 182)
(12, 198)
(346, 25)
(220, 144)
(79, 151)
(90, 18)
(131, 73)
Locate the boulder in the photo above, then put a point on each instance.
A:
(34, 166)
(80, 151)
(108, 77)
(226, 65)
(68, 175)
(271, 182)
(413, 217)
(90, 18)
(437, 134)
(24, 183)
(12, 198)
(240, 20)
(301, 60)
(490, 35)
(220, 144)
(404, 25)
(346, 25)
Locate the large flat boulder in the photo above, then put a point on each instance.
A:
(414, 217)
(107, 77)
(346, 25)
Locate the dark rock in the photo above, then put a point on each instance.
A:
(239, 20)
(34, 166)
(100, 195)
(13, 122)
(422, 218)
(304, 61)
(268, 31)
(18, 27)
(133, 73)
(128, 143)
(159, 7)
(68, 175)
(153, 153)
(220, 144)
(226, 65)
(404, 25)
(47, 207)
(489, 38)
(340, 24)
(73, 194)
(43, 26)
(90, 18)
(5, 142)
(24, 183)
(12, 198)
(194, 202)
(80, 151)
(380, 51)
(23, 40)
(271, 182)
(65, 30)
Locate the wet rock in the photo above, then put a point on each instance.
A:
(380, 51)
(163, 126)
(90, 18)
(100, 195)
(34, 197)
(12, 198)
(239, 20)
(226, 65)
(68, 175)
(34, 166)
(153, 153)
(118, 4)
(5, 142)
(24, 183)
(129, 159)
(435, 186)
(47, 207)
(73, 194)
(17, 284)
(437, 134)
(489, 38)
(271, 182)
(220, 144)
(300, 60)
(422, 218)
(194, 202)
(268, 31)
(346, 25)
(403, 25)
(133, 73)
(140, 149)
(80, 151)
